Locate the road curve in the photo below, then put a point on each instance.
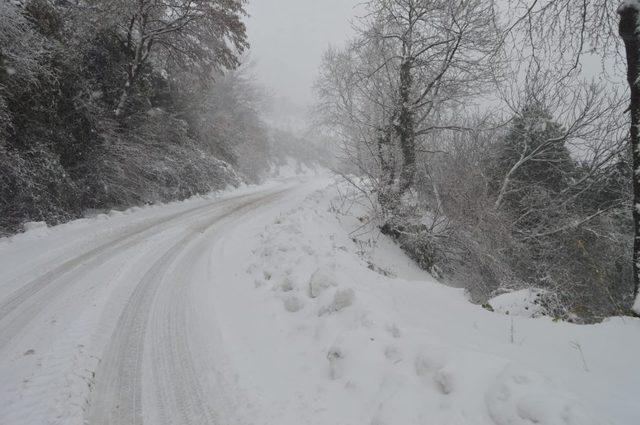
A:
(146, 359)
(119, 391)
(18, 308)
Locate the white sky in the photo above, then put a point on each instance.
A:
(288, 37)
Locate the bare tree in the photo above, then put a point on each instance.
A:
(411, 61)
(629, 12)
(436, 49)
(589, 125)
(202, 34)
(567, 34)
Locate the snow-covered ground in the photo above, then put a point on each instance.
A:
(258, 307)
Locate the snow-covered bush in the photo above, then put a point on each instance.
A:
(156, 161)
(525, 213)
(67, 141)
(506, 210)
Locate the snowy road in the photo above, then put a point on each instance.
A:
(270, 306)
(101, 320)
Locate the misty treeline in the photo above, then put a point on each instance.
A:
(114, 103)
(492, 142)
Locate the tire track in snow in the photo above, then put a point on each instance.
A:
(19, 308)
(117, 398)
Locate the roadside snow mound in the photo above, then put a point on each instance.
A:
(321, 336)
(529, 302)
(35, 229)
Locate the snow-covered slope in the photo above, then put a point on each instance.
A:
(319, 338)
(257, 307)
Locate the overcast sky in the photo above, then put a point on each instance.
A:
(288, 37)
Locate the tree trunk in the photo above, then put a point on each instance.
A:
(629, 14)
(143, 48)
(406, 129)
(122, 103)
(386, 193)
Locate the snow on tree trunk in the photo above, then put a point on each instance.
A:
(406, 128)
(629, 29)
(123, 100)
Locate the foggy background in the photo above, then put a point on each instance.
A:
(288, 38)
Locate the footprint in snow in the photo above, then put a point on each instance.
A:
(293, 304)
(321, 280)
(335, 357)
(342, 299)
(520, 397)
(287, 284)
(445, 380)
(394, 330)
(433, 367)
(392, 353)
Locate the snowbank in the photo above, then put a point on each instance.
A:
(530, 302)
(322, 333)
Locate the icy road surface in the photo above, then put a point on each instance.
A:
(273, 305)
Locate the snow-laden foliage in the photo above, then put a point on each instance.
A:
(104, 104)
(517, 210)
(527, 188)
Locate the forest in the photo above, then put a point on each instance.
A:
(116, 103)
